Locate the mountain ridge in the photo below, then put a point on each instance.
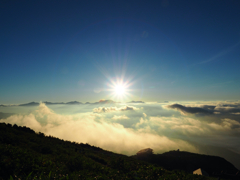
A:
(33, 103)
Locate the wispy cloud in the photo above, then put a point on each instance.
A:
(220, 54)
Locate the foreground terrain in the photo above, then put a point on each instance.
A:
(26, 154)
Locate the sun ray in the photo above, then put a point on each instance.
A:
(119, 89)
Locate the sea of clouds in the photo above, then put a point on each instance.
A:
(202, 127)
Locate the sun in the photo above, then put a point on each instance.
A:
(120, 90)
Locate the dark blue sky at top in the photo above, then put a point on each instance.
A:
(167, 50)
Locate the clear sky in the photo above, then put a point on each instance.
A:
(119, 50)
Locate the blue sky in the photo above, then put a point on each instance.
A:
(164, 50)
(185, 55)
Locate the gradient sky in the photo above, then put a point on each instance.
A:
(164, 50)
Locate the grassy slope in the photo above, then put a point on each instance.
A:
(25, 154)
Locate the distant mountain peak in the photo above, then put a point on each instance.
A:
(30, 104)
(73, 102)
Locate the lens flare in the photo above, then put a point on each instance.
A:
(120, 89)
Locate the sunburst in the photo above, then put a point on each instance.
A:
(120, 89)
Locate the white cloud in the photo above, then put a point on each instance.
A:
(25, 120)
(86, 129)
(119, 117)
(112, 109)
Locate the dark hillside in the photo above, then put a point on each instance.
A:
(186, 161)
(25, 154)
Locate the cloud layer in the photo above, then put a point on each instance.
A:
(192, 110)
(220, 109)
(110, 136)
(127, 129)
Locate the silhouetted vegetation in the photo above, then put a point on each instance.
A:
(29, 155)
(179, 160)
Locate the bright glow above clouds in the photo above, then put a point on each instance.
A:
(120, 89)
